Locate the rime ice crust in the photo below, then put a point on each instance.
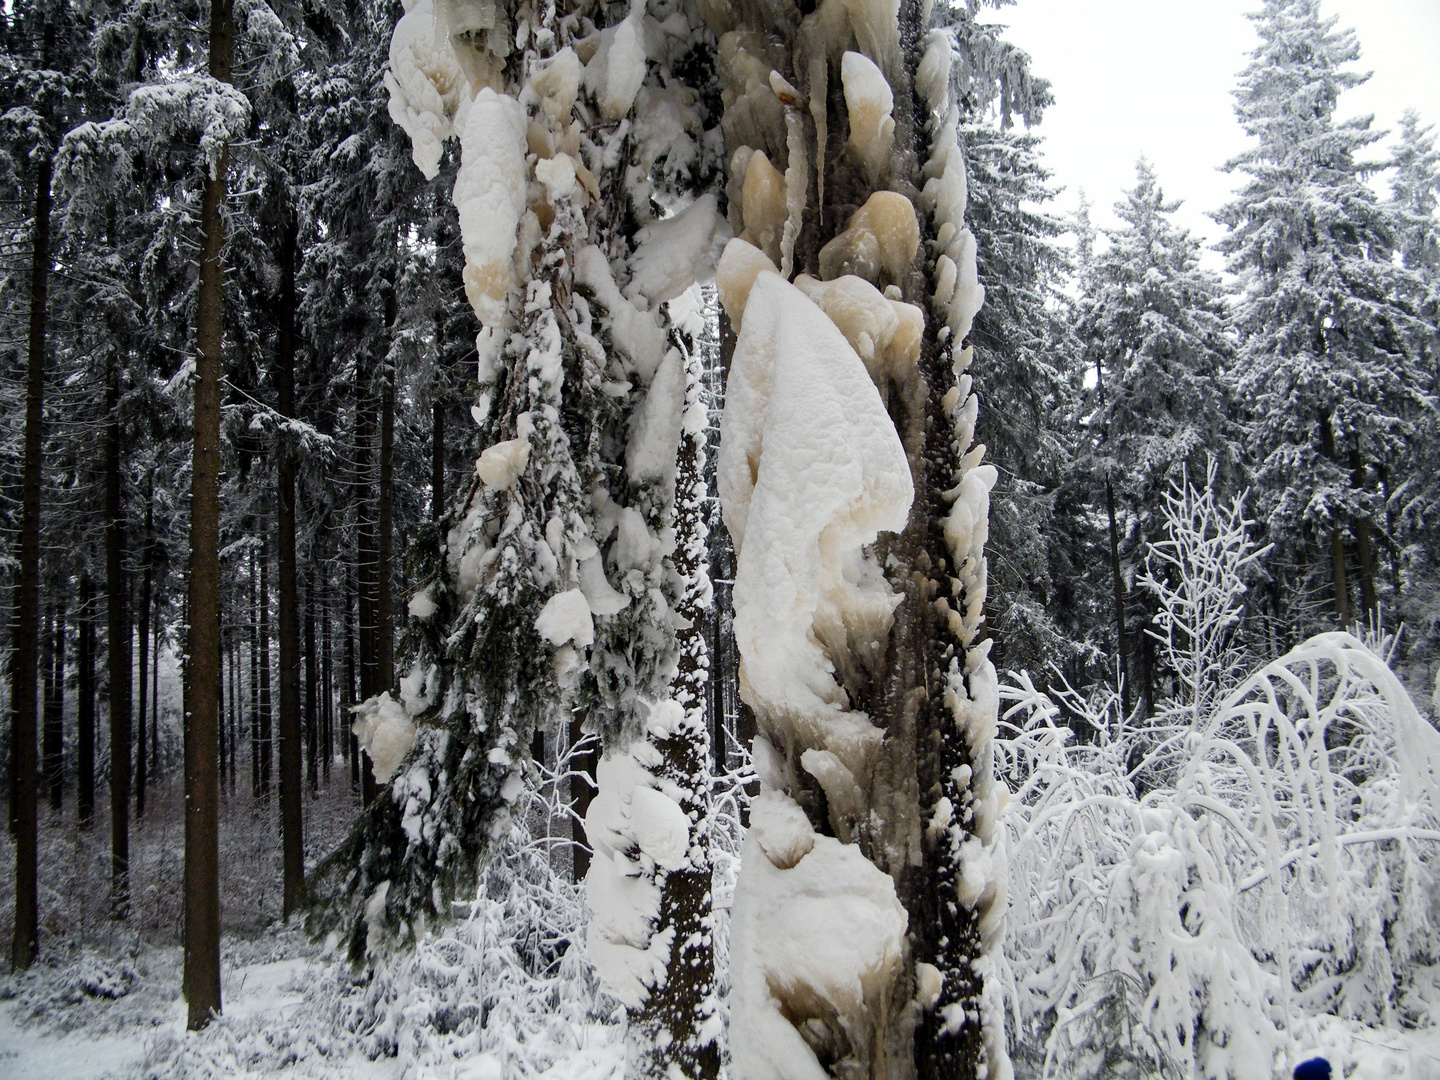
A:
(816, 932)
(811, 471)
(490, 195)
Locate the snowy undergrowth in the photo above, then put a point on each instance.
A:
(1226, 890)
(504, 989)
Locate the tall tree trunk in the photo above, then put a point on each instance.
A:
(85, 705)
(146, 580)
(367, 571)
(291, 792)
(1337, 537)
(385, 549)
(437, 461)
(55, 706)
(582, 791)
(254, 725)
(24, 813)
(672, 1023)
(312, 769)
(267, 728)
(347, 696)
(327, 680)
(155, 691)
(1364, 545)
(202, 719)
(117, 600)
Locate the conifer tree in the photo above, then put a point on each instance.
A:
(1154, 329)
(1329, 333)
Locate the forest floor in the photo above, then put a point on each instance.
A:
(104, 1000)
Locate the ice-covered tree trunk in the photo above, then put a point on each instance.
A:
(868, 897)
(553, 584)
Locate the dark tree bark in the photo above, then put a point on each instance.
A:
(24, 813)
(253, 728)
(291, 818)
(1364, 542)
(385, 591)
(367, 569)
(347, 695)
(262, 620)
(582, 791)
(85, 704)
(327, 681)
(155, 694)
(1338, 572)
(117, 642)
(202, 719)
(146, 581)
(55, 707)
(312, 700)
(437, 461)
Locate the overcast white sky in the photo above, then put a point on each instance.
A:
(1155, 76)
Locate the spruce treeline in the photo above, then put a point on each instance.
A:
(252, 442)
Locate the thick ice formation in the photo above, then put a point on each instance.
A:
(868, 102)
(426, 83)
(558, 84)
(490, 190)
(816, 934)
(617, 69)
(385, 732)
(880, 240)
(673, 254)
(885, 333)
(811, 470)
(754, 115)
(636, 830)
(763, 205)
(740, 264)
(958, 292)
(499, 466)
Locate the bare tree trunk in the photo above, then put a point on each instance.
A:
(1122, 645)
(202, 719)
(254, 725)
(327, 695)
(117, 600)
(367, 571)
(312, 770)
(1337, 537)
(85, 705)
(347, 697)
(145, 601)
(55, 706)
(437, 461)
(291, 792)
(24, 813)
(1364, 546)
(384, 593)
(267, 730)
(155, 693)
(582, 791)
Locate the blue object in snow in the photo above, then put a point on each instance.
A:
(1314, 1069)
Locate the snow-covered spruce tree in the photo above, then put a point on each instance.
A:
(1329, 336)
(868, 895)
(1412, 507)
(559, 577)
(1025, 351)
(1154, 329)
